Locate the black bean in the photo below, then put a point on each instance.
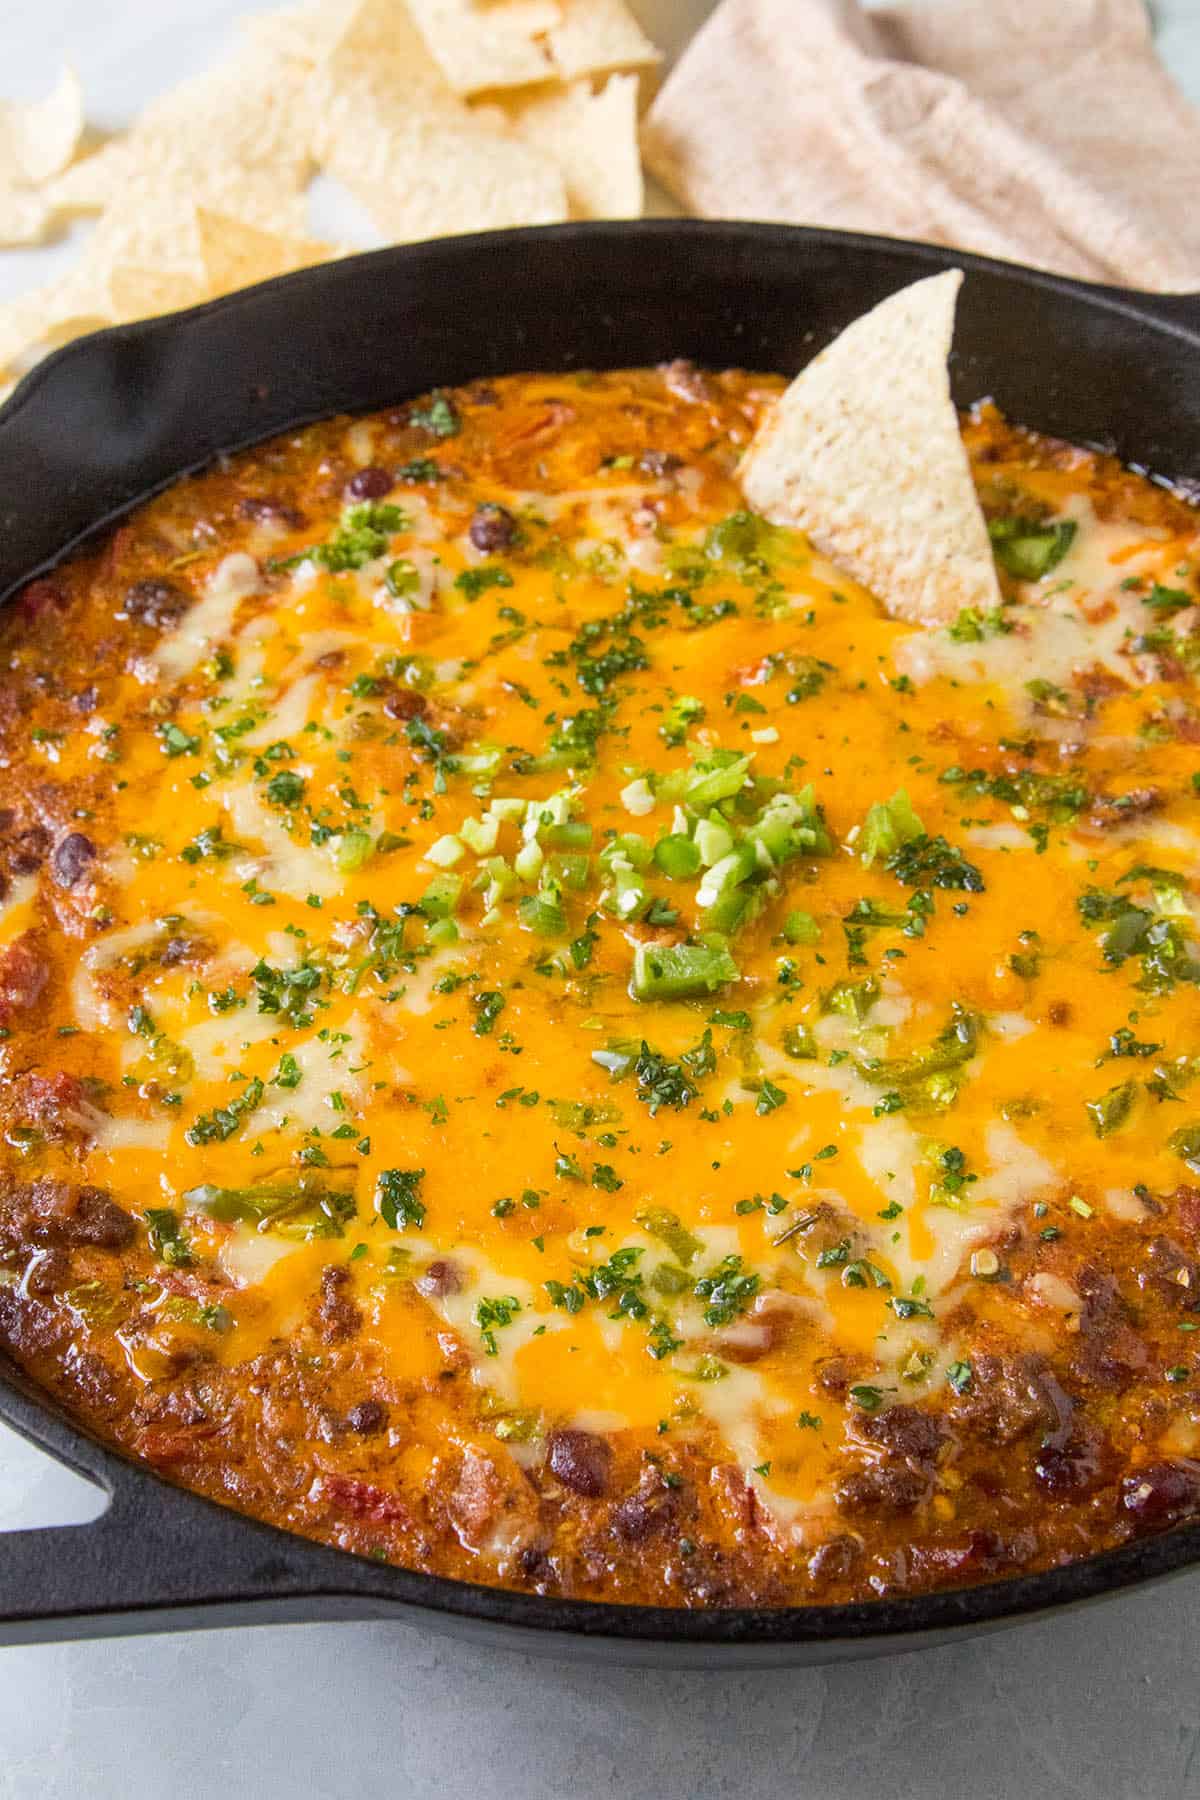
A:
(581, 1461)
(370, 484)
(493, 528)
(156, 602)
(638, 1517)
(73, 855)
(368, 1417)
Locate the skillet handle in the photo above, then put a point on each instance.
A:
(158, 1559)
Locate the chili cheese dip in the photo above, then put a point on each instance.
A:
(547, 1040)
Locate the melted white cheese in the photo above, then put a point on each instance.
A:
(211, 620)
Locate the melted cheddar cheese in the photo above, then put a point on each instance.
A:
(547, 1037)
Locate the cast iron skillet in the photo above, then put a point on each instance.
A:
(109, 420)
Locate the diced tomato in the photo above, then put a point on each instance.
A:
(24, 973)
(346, 1493)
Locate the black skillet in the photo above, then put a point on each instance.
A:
(109, 420)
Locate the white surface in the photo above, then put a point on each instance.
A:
(1102, 1704)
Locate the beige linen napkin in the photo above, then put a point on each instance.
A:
(1042, 131)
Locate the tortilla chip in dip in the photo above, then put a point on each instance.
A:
(863, 452)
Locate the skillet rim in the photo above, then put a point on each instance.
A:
(288, 1571)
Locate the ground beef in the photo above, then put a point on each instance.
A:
(1004, 1400)
(157, 602)
(25, 851)
(903, 1476)
(686, 381)
(267, 510)
(337, 1315)
(56, 1213)
(1109, 1353)
(1107, 812)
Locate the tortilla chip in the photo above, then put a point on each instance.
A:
(145, 293)
(208, 190)
(228, 139)
(591, 136)
(236, 255)
(40, 321)
(417, 161)
(479, 47)
(596, 36)
(306, 34)
(39, 139)
(24, 215)
(863, 452)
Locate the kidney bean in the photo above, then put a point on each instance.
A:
(41, 599)
(1162, 1492)
(581, 1461)
(406, 705)
(1073, 1467)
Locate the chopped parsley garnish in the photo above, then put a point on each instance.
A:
(473, 582)
(728, 1290)
(488, 1007)
(492, 1315)
(398, 1198)
(216, 1126)
(437, 415)
(363, 534)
